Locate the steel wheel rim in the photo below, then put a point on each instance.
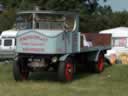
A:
(100, 63)
(69, 71)
(24, 75)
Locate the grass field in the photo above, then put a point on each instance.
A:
(112, 82)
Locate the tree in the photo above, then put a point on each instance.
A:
(86, 8)
(7, 19)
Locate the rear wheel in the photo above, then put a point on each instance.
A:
(20, 70)
(66, 70)
(99, 65)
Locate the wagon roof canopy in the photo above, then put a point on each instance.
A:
(48, 12)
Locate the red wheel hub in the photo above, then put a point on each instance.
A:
(101, 62)
(69, 71)
(24, 75)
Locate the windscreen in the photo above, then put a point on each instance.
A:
(50, 22)
(24, 21)
(54, 22)
(45, 21)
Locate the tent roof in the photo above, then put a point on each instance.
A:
(116, 32)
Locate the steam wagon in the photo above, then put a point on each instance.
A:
(51, 41)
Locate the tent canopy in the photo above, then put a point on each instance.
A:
(116, 32)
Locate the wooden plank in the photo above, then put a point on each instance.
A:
(98, 39)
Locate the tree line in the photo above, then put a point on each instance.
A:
(93, 16)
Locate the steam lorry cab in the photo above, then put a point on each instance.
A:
(51, 41)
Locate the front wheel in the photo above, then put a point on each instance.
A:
(20, 70)
(66, 70)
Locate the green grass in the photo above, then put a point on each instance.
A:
(112, 82)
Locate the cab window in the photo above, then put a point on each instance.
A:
(8, 42)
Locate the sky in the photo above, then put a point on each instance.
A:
(117, 5)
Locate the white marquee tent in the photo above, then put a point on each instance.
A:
(119, 42)
(117, 32)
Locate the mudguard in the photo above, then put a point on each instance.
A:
(97, 55)
(64, 57)
(93, 56)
